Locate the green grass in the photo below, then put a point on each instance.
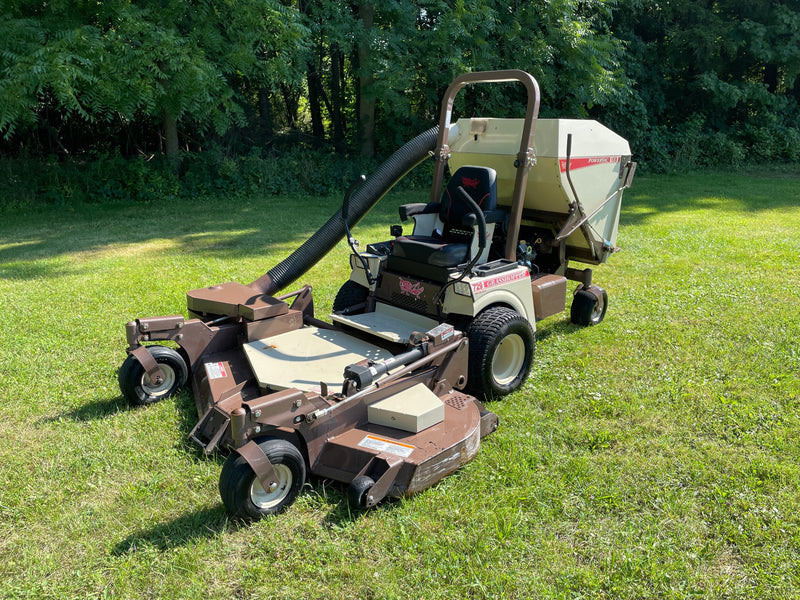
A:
(653, 456)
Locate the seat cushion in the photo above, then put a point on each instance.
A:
(430, 250)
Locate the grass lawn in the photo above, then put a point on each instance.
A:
(653, 456)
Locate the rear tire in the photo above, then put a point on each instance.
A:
(350, 294)
(588, 306)
(242, 493)
(501, 348)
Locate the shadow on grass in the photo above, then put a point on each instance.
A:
(343, 513)
(229, 227)
(331, 496)
(558, 328)
(226, 228)
(93, 411)
(186, 529)
(210, 522)
(730, 192)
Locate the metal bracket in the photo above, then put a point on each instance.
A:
(525, 159)
(378, 491)
(260, 464)
(443, 153)
(154, 372)
(212, 413)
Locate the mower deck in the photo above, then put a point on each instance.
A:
(410, 461)
(306, 357)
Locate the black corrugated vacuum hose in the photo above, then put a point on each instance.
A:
(364, 198)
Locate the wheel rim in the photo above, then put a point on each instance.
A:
(508, 359)
(597, 311)
(156, 390)
(264, 499)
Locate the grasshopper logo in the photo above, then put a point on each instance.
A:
(470, 183)
(411, 289)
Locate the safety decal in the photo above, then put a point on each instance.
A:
(484, 284)
(384, 445)
(216, 370)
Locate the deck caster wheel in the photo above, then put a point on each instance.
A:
(136, 386)
(588, 306)
(501, 347)
(358, 491)
(242, 493)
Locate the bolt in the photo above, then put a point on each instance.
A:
(144, 327)
(297, 403)
(257, 413)
(273, 486)
(257, 429)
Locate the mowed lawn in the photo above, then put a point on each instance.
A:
(653, 456)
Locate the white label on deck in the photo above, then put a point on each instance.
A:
(216, 370)
(384, 445)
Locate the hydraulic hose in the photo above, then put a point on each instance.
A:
(363, 199)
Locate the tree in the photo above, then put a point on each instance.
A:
(176, 61)
(715, 78)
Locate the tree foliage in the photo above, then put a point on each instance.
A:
(714, 81)
(124, 60)
(697, 81)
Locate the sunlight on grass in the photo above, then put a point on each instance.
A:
(654, 455)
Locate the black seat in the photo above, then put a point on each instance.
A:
(449, 245)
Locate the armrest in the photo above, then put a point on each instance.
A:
(495, 216)
(491, 216)
(419, 208)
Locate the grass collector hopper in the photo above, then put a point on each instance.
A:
(386, 397)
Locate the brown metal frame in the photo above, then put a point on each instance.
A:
(330, 424)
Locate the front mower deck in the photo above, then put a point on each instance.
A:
(306, 358)
(406, 462)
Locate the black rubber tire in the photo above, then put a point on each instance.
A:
(136, 386)
(358, 490)
(350, 294)
(587, 308)
(243, 495)
(501, 348)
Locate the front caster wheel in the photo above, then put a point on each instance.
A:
(242, 493)
(358, 491)
(588, 306)
(501, 347)
(136, 386)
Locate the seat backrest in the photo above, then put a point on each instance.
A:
(481, 185)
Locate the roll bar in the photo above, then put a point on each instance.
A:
(525, 157)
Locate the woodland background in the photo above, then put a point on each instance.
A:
(147, 98)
